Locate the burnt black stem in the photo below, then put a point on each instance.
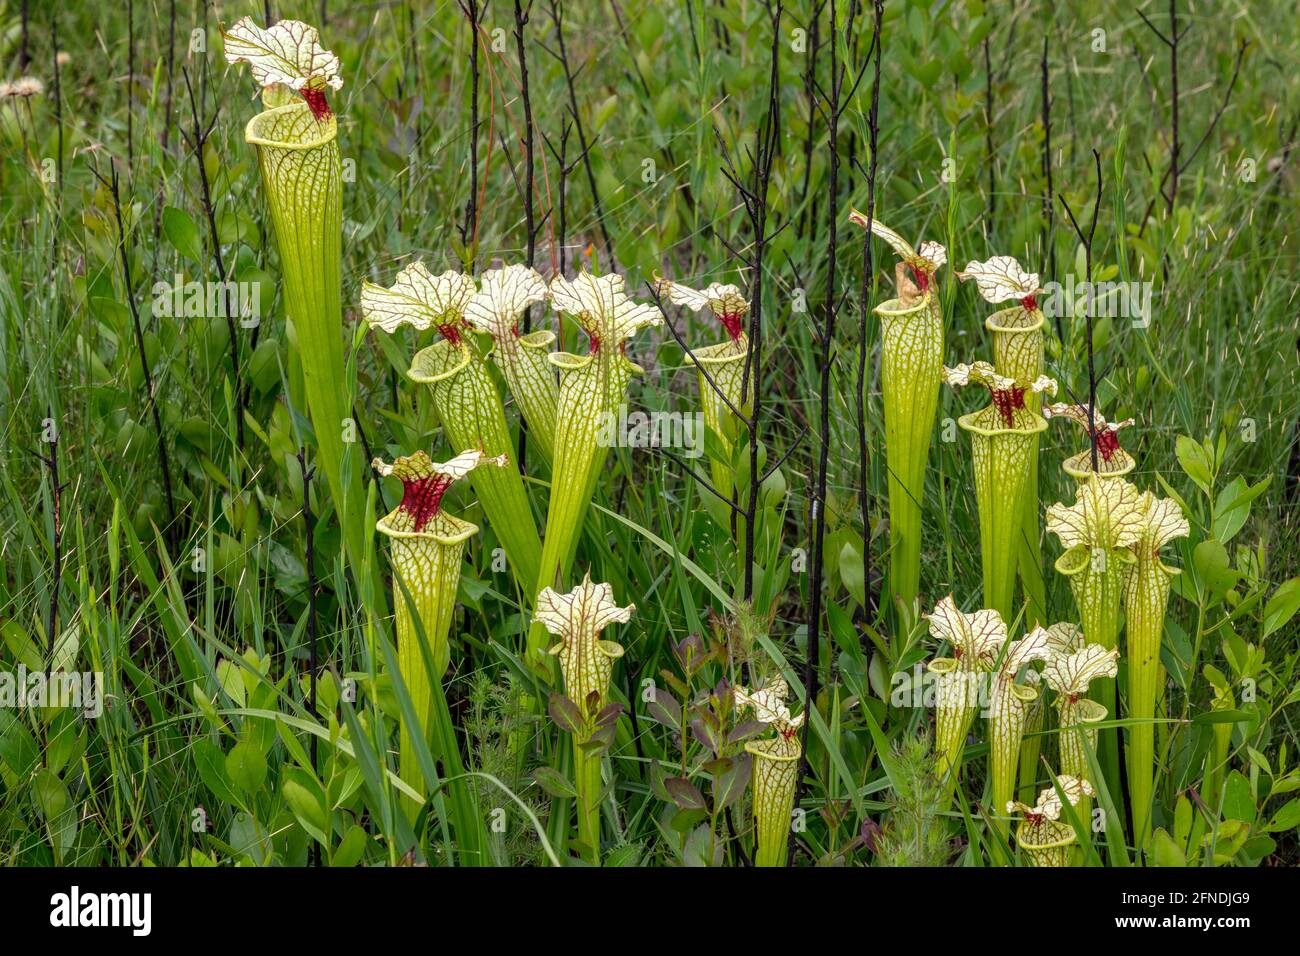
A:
(766, 143)
(1171, 43)
(56, 536)
(58, 97)
(166, 129)
(864, 316)
(1087, 258)
(810, 94)
(164, 464)
(312, 662)
(558, 19)
(130, 82)
(1048, 242)
(988, 135)
(817, 506)
(565, 169)
(1192, 154)
(701, 480)
(530, 227)
(469, 228)
(197, 138)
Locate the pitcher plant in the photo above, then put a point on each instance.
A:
(1004, 436)
(296, 137)
(592, 388)
(1010, 706)
(586, 663)
(776, 769)
(911, 370)
(464, 395)
(1018, 355)
(1146, 598)
(976, 640)
(1042, 834)
(503, 296)
(1112, 460)
(426, 548)
(724, 363)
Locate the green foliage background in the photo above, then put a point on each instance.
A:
(200, 756)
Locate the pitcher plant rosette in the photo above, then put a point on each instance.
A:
(1146, 599)
(592, 388)
(1018, 354)
(911, 370)
(776, 769)
(1069, 674)
(464, 395)
(1112, 460)
(503, 296)
(1011, 705)
(586, 663)
(976, 641)
(426, 548)
(1004, 436)
(724, 363)
(1042, 834)
(296, 137)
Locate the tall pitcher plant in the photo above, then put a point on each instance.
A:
(427, 545)
(296, 136)
(464, 395)
(1146, 598)
(911, 370)
(1004, 440)
(1018, 355)
(592, 387)
(724, 363)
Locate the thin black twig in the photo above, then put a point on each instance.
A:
(312, 661)
(469, 228)
(530, 226)
(864, 316)
(558, 19)
(164, 465)
(1088, 308)
(197, 138)
(51, 462)
(834, 107)
(729, 501)
(1048, 240)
